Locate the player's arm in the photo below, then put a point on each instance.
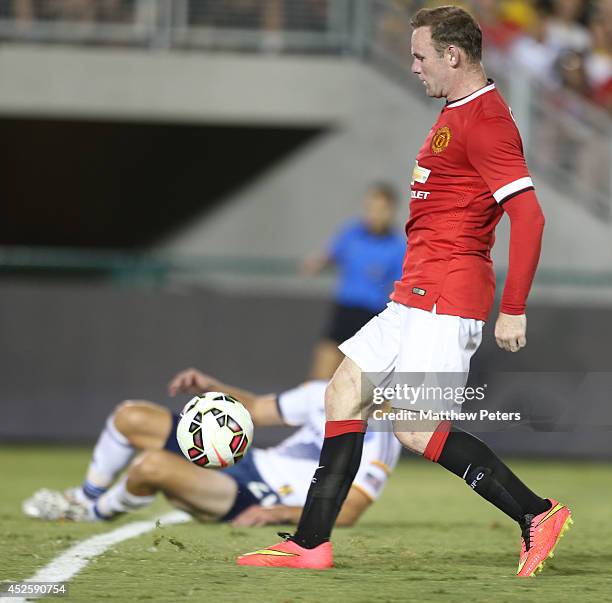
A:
(526, 228)
(332, 256)
(314, 264)
(263, 409)
(355, 504)
(495, 150)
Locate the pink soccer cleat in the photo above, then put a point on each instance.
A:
(290, 554)
(541, 533)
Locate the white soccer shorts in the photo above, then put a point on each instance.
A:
(404, 343)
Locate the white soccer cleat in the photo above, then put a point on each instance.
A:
(46, 504)
(53, 505)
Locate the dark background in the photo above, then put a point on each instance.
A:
(123, 185)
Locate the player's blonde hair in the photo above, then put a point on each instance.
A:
(451, 26)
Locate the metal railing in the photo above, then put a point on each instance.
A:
(568, 140)
(268, 25)
(246, 25)
(107, 22)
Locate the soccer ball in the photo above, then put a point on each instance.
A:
(214, 430)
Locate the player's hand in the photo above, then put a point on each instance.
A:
(257, 515)
(192, 381)
(313, 265)
(511, 331)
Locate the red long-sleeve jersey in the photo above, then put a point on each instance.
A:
(470, 165)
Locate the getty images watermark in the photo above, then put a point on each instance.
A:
(432, 396)
(414, 398)
(539, 401)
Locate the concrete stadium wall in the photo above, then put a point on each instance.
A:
(70, 352)
(176, 87)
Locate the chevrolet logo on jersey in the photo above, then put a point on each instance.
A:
(419, 174)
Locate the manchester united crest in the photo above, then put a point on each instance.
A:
(441, 139)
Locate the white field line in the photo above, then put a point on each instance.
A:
(76, 558)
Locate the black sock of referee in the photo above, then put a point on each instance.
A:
(338, 465)
(471, 459)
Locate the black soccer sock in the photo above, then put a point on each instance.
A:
(338, 465)
(471, 459)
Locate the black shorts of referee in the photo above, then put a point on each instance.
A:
(345, 321)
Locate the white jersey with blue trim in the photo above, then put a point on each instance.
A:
(289, 466)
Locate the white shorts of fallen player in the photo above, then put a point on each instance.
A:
(416, 359)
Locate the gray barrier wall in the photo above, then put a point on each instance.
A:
(70, 352)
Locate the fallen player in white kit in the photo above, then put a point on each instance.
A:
(268, 486)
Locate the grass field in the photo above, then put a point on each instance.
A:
(428, 539)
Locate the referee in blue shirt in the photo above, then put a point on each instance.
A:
(368, 254)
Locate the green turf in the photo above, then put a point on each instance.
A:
(429, 539)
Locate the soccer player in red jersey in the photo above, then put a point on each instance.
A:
(469, 171)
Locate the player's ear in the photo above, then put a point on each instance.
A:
(453, 56)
